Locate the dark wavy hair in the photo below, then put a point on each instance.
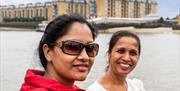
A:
(58, 28)
(119, 34)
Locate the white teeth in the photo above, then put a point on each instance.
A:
(125, 65)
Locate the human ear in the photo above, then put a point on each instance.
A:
(108, 61)
(47, 52)
(107, 57)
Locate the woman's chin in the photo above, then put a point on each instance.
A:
(81, 77)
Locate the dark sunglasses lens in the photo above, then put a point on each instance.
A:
(72, 47)
(92, 49)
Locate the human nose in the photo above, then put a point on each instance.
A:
(126, 57)
(83, 55)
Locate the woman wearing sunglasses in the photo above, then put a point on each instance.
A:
(66, 52)
(123, 55)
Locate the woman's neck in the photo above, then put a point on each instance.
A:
(114, 78)
(113, 82)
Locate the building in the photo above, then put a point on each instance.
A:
(86, 8)
(178, 19)
(60, 7)
(29, 10)
(108, 8)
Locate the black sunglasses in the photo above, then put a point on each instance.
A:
(75, 48)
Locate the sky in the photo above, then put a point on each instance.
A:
(166, 8)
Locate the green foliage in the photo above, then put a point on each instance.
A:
(24, 19)
(148, 25)
(167, 18)
(20, 25)
(112, 25)
(161, 20)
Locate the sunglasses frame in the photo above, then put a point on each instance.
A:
(62, 44)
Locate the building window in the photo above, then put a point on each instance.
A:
(15, 14)
(2, 14)
(9, 13)
(31, 13)
(19, 13)
(41, 12)
(36, 12)
(46, 13)
(22, 13)
(28, 13)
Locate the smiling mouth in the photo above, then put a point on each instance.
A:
(125, 63)
(124, 66)
(82, 67)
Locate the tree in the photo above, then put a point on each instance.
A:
(161, 20)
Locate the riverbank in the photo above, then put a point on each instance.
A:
(142, 30)
(111, 30)
(15, 29)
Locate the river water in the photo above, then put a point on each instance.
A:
(158, 67)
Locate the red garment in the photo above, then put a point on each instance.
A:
(34, 81)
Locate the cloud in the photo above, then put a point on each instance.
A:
(11, 2)
(16, 2)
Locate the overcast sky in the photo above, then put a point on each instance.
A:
(166, 8)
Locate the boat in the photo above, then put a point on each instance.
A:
(42, 26)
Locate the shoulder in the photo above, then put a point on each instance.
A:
(96, 86)
(135, 85)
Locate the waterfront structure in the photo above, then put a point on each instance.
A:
(178, 19)
(59, 7)
(25, 11)
(86, 8)
(1, 17)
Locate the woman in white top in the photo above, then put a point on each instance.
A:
(123, 54)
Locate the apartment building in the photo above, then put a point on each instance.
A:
(178, 19)
(126, 8)
(25, 11)
(60, 7)
(86, 8)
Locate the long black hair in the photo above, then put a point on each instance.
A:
(58, 28)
